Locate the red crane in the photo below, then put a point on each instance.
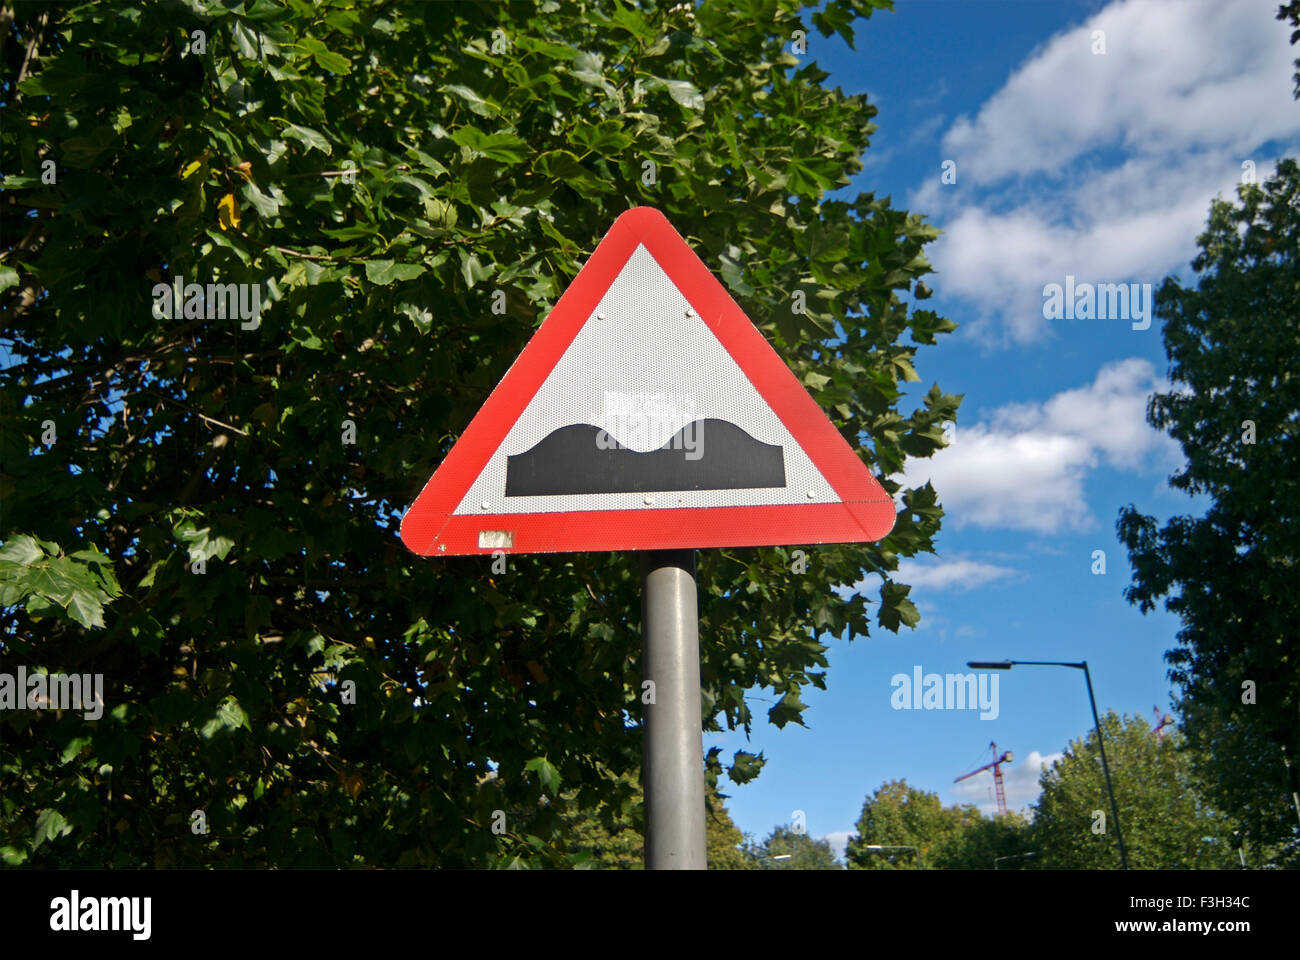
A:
(997, 776)
(1161, 723)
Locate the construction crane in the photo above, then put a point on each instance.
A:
(997, 776)
(1161, 723)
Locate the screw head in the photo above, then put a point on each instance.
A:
(812, 495)
(649, 501)
(486, 504)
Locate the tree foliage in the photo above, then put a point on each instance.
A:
(1231, 575)
(377, 172)
(1166, 815)
(1290, 11)
(800, 851)
(977, 842)
(614, 839)
(1167, 822)
(900, 816)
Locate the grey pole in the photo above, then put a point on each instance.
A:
(1101, 746)
(673, 772)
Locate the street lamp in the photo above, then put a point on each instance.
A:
(1014, 856)
(779, 856)
(898, 846)
(1101, 745)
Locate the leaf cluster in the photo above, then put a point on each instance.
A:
(273, 657)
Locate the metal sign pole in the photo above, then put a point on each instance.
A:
(673, 771)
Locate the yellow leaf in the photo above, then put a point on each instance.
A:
(228, 212)
(194, 166)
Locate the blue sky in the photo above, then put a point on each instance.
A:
(1068, 162)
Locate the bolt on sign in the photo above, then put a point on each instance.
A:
(646, 413)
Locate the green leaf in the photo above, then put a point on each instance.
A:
(49, 825)
(471, 269)
(809, 177)
(589, 68)
(475, 103)
(148, 579)
(8, 278)
(905, 368)
(384, 272)
(682, 91)
(419, 315)
(745, 766)
(326, 60)
(201, 542)
(555, 51)
(21, 549)
(559, 165)
(502, 147)
(309, 138)
(229, 716)
(895, 608)
(84, 606)
(605, 138)
(547, 775)
(73, 748)
(266, 206)
(786, 710)
(686, 94)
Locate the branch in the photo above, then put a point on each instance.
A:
(32, 46)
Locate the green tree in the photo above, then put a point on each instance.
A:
(977, 841)
(1234, 348)
(958, 837)
(804, 852)
(899, 815)
(724, 842)
(1165, 817)
(606, 838)
(205, 510)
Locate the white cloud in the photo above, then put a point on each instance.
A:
(1024, 466)
(1177, 75)
(1019, 780)
(838, 841)
(1109, 414)
(1103, 167)
(956, 574)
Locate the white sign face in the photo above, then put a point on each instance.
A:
(645, 408)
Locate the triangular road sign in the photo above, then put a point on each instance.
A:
(646, 413)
